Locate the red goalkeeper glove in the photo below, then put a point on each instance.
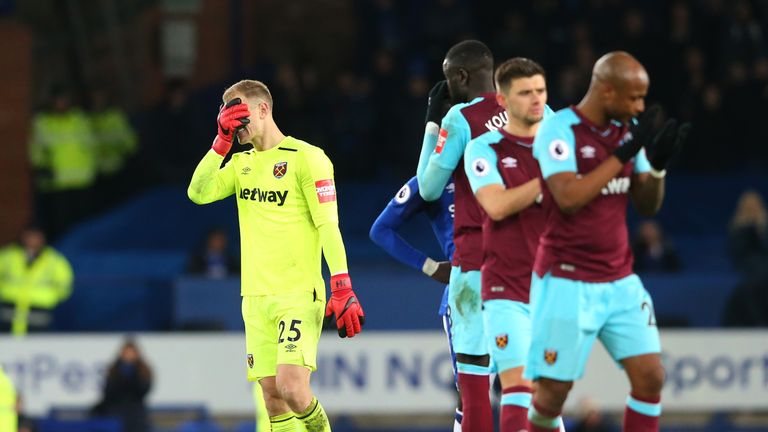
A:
(344, 304)
(232, 116)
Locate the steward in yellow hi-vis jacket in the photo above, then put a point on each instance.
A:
(62, 148)
(34, 279)
(286, 201)
(115, 139)
(62, 152)
(8, 415)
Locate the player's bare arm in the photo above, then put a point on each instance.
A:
(501, 203)
(572, 192)
(647, 193)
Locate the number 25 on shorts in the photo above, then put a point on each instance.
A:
(294, 333)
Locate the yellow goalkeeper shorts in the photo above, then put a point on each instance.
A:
(281, 329)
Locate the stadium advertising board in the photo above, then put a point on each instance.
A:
(376, 372)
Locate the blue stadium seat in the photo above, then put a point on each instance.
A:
(94, 425)
(246, 426)
(199, 426)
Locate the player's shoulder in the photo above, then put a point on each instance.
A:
(53, 254)
(308, 151)
(485, 140)
(561, 118)
(11, 250)
(458, 110)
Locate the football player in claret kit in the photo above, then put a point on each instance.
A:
(594, 157)
(468, 69)
(506, 181)
(286, 201)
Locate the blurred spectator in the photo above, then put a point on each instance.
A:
(214, 260)
(591, 419)
(172, 136)
(8, 417)
(34, 279)
(748, 238)
(63, 155)
(26, 423)
(127, 383)
(654, 253)
(446, 22)
(115, 137)
(116, 142)
(742, 36)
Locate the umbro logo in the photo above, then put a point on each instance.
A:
(509, 162)
(246, 170)
(290, 348)
(587, 152)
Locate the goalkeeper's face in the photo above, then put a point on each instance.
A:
(254, 130)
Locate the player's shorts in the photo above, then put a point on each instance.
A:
(281, 329)
(466, 310)
(507, 332)
(568, 315)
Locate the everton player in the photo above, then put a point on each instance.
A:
(592, 159)
(407, 204)
(506, 181)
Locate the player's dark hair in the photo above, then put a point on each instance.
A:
(471, 55)
(514, 68)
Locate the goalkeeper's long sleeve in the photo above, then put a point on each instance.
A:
(333, 248)
(209, 182)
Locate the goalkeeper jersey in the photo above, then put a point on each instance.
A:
(283, 195)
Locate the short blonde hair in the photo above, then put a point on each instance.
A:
(249, 89)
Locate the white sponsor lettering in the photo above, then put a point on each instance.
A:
(617, 186)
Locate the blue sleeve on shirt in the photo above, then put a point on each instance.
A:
(555, 144)
(481, 162)
(641, 163)
(427, 147)
(400, 209)
(452, 139)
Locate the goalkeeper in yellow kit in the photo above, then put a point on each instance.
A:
(286, 201)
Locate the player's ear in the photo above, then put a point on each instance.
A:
(501, 100)
(608, 92)
(463, 76)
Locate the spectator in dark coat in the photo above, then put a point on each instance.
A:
(654, 253)
(127, 383)
(748, 244)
